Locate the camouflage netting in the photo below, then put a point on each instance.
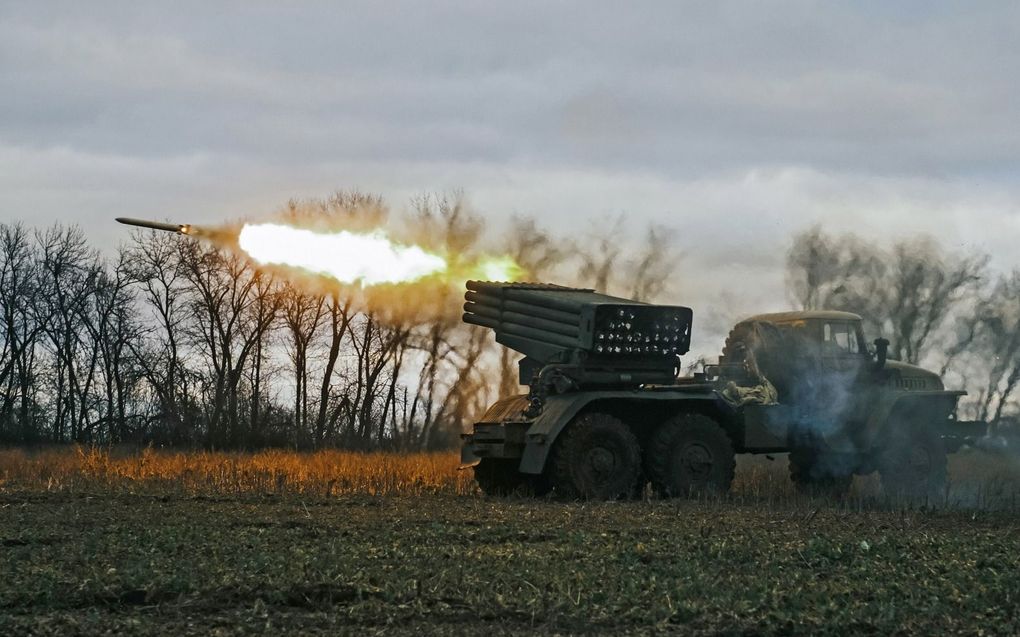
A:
(756, 389)
(739, 395)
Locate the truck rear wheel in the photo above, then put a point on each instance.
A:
(813, 474)
(498, 476)
(913, 463)
(597, 458)
(690, 455)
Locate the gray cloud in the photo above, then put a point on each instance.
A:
(736, 123)
(663, 87)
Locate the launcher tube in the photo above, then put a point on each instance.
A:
(482, 321)
(563, 305)
(552, 326)
(542, 312)
(538, 335)
(483, 310)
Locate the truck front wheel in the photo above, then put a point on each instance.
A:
(690, 454)
(597, 458)
(913, 462)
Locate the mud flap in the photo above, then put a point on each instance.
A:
(468, 458)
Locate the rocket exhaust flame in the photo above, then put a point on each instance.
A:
(367, 259)
(362, 258)
(353, 258)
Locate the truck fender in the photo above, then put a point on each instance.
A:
(880, 417)
(556, 413)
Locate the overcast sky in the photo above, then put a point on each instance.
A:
(738, 124)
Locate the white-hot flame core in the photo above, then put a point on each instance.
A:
(366, 259)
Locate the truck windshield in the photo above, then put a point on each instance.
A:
(841, 336)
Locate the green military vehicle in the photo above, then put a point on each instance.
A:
(607, 411)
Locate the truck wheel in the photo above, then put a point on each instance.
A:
(913, 463)
(597, 458)
(811, 475)
(498, 476)
(690, 455)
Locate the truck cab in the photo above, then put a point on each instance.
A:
(829, 343)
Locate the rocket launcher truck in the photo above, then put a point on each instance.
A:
(607, 411)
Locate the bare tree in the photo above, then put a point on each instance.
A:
(998, 346)
(331, 405)
(648, 275)
(813, 268)
(111, 327)
(303, 314)
(233, 306)
(326, 304)
(451, 354)
(926, 287)
(68, 271)
(374, 346)
(838, 273)
(909, 292)
(155, 266)
(20, 327)
(599, 256)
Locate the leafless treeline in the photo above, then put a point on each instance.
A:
(175, 342)
(172, 341)
(945, 310)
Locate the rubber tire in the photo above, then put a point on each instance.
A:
(810, 480)
(913, 464)
(575, 471)
(669, 468)
(498, 476)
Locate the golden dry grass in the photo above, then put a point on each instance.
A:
(976, 478)
(322, 473)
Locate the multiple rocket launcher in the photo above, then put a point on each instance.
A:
(594, 338)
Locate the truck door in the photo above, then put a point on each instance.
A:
(840, 351)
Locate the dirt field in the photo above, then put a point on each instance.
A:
(141, 556)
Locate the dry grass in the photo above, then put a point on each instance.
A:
(323, 473)
(977, 479)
